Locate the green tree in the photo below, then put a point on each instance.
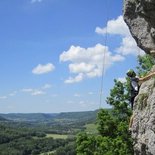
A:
(145, 64)
(119, 100)
(106, 123)
(113, 138)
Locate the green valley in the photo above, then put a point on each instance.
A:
(38, 133)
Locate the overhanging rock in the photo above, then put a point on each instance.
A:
(140, 18)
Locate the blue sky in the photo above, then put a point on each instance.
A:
(52, 53)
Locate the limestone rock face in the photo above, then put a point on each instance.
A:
(140, 18)
(143, 127)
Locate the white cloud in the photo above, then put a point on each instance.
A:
(37, 92)
(3, 97)
(90, 93)
(33, 92)
(122, 79)
(115, 26)
(27, 90)
(77, 95)
(83, 104)
(129, 46)
(13, 93)
(34, 1)
(88, 62)
(42, 69)
(7, 96)
(46, 86)
(81, 67)
(119, 27)
(75, 79)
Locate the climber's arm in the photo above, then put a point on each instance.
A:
(142, 79)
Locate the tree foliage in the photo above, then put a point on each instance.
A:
(145, 64)
(114, 137)
(15, 140)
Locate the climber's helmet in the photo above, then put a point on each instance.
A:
(130, 73)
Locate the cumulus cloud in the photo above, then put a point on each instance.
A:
(119, 27)
(129, 46)
(34, 1)
(115, 26)
(88, 62)
(81, 67)
(75, 79)
(42, 69)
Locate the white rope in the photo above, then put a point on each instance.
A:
(104, 59)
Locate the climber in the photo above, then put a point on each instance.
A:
(134, 86)
(135, 83)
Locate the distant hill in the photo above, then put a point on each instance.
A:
(46, 117)
(28, 117)
(78, 116)
(2, 119)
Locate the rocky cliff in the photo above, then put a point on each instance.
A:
(140, 18)
(143, 127)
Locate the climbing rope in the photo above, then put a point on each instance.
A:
(103, 70)
(104, 56)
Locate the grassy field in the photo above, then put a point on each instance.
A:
(47, 153)
(91, 128)
(56, 136)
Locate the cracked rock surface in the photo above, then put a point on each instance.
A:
(143, 127)
(139, 15)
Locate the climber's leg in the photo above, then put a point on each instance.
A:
(131, 121)
(132, 101)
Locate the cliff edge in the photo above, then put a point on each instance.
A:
(139, 15)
